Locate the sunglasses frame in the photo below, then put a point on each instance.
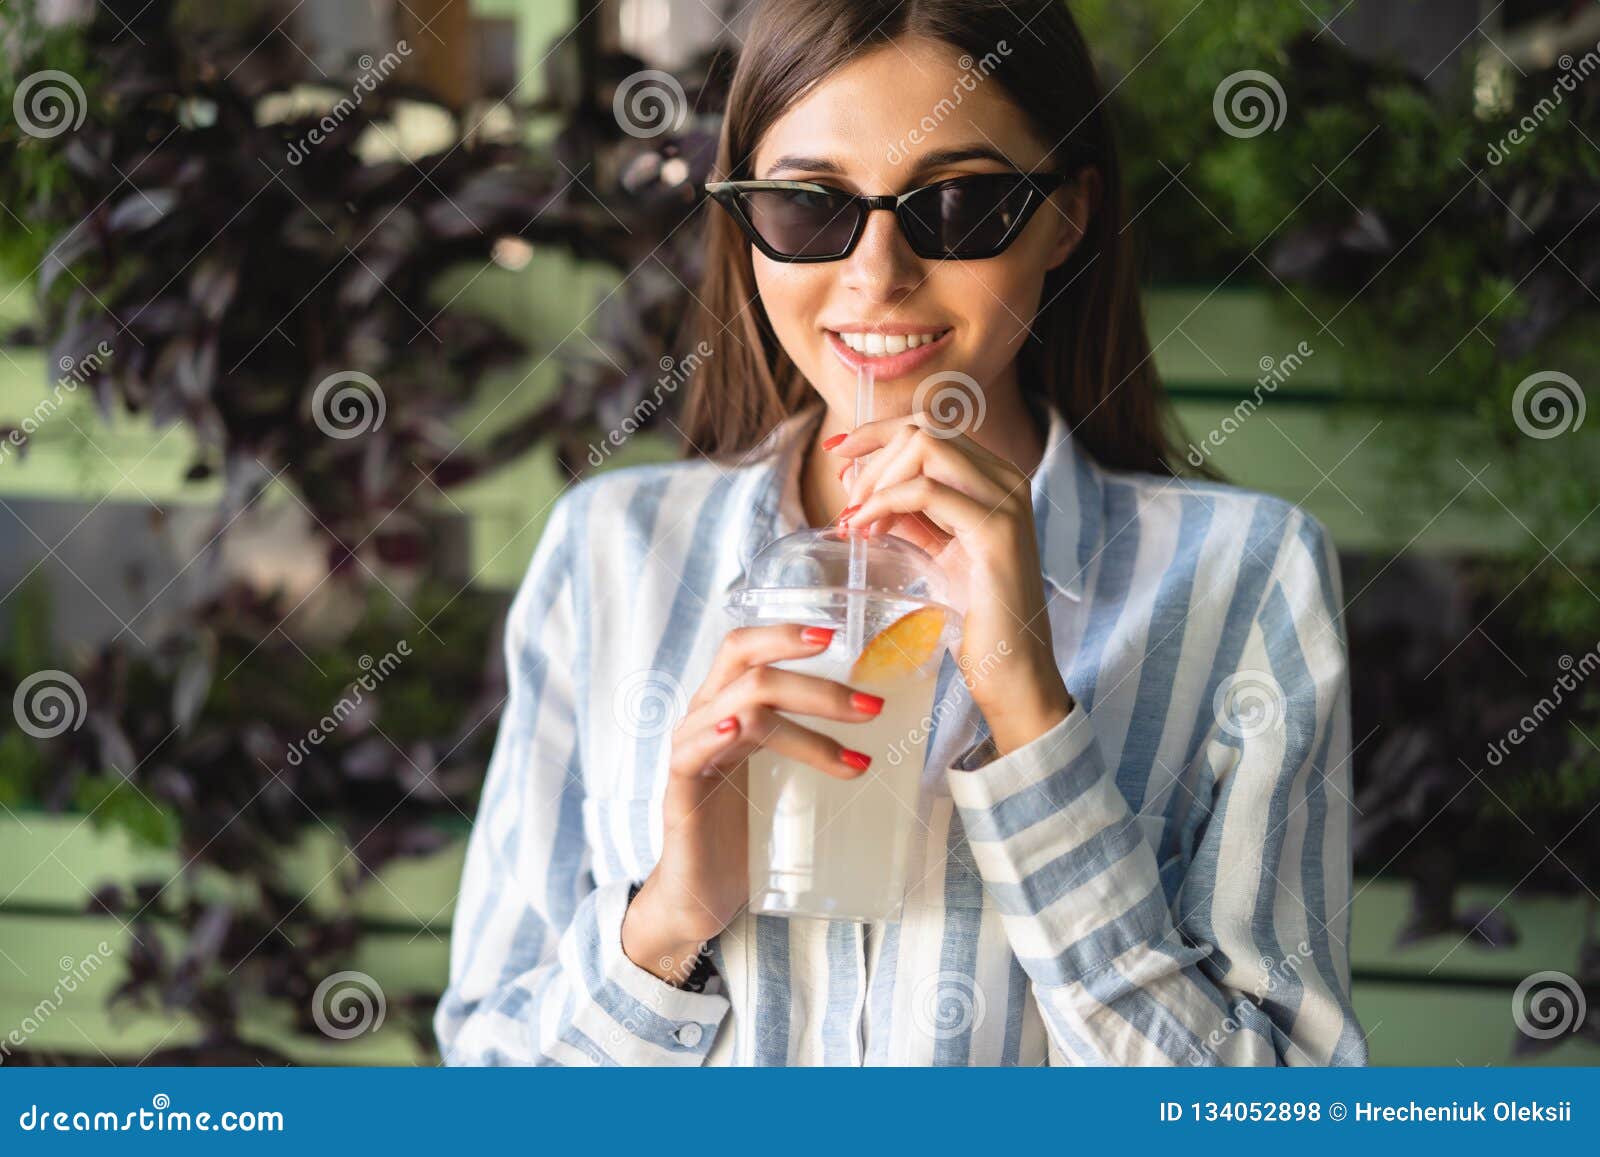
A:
(727, 194)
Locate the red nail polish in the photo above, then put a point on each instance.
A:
(855, 759)
(861, 701)
(848, 511)
(830, 443)
(843, 470)
(817, 636)
(726, 725)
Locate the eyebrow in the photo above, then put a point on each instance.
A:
(937, 159)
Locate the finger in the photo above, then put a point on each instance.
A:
(746, 647)
(696, 747)
(953, 512)
(923, 453)
(872, 468)
(764, 728)
(788, 691)
(871, 436)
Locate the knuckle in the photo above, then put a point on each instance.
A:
(763, 681)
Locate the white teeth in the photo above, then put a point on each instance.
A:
(886, 345)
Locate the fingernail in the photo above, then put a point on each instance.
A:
(855, 759)
(724, 726)
(844, 515)
(861, 701)
(830, 443)
(818, 636)
(845, 469)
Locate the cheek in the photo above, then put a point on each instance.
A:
(792, 295)
(1002, 297)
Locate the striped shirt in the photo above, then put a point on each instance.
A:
(1162, 878)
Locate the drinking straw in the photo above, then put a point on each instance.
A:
(856, 606)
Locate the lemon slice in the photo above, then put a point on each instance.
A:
(901, 647)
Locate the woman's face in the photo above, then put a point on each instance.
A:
(898, 118)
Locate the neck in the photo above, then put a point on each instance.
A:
(1008, 431)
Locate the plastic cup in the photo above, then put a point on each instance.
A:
(821, 846)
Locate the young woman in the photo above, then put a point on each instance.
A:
(1136, 847)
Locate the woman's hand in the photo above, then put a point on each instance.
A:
(702, 879)
(973, 511)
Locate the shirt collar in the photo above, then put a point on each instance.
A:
(1066, 488)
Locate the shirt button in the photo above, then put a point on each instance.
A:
(689, 1034)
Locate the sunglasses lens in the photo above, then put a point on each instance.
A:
(801, 223)
(966, 217)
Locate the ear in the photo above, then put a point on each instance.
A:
(1074, 205)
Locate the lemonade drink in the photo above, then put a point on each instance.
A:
(819, 845)
(822, 846)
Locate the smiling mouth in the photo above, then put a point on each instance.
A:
(881, 345)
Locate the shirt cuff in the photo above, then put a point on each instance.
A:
(1006, 794)
(640, 1018)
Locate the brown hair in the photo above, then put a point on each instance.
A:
(1088, 352)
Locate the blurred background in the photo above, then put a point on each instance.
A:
(309, 310)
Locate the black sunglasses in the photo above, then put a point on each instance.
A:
(962, 219)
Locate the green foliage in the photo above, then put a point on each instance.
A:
(32, 172)
(117, 805)
(1447, 266)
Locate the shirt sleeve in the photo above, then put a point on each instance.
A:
(537, 971)
(1248, 964)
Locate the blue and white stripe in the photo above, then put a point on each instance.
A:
(1147, 883)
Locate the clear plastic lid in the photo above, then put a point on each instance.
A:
(816, 560)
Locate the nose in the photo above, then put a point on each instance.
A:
(882, 267)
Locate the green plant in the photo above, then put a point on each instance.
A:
(286, 313)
